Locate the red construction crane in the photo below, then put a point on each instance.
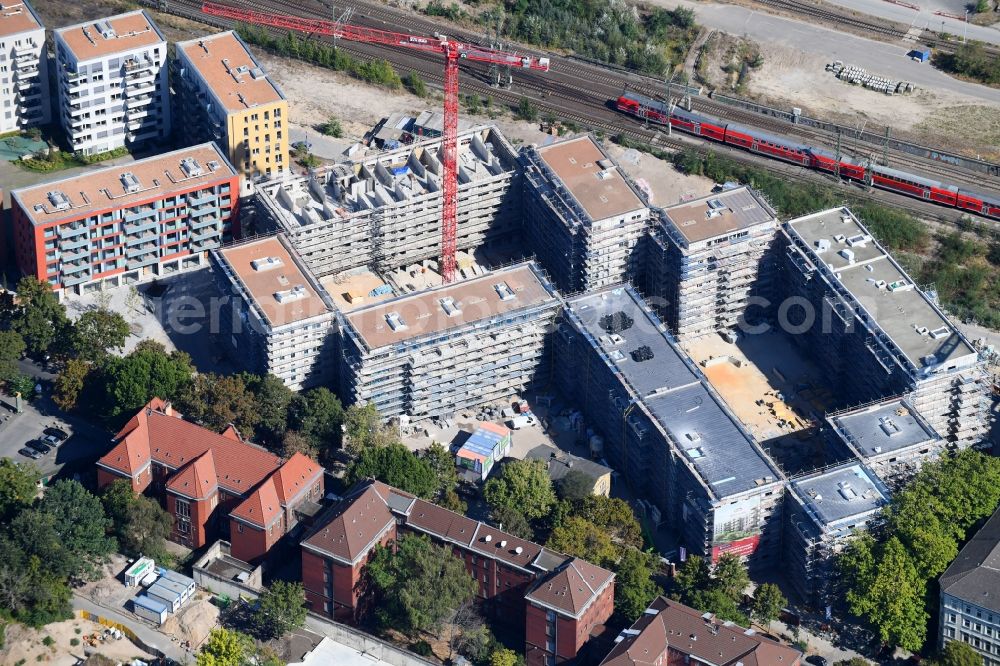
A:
(452, 51)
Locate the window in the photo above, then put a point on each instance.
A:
(239, 527)
(182, 509)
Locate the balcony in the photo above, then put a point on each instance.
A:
(138, 88)
(71, 280)
(146, 260)
(82, 252)
(134, 252)
(139, 221)
(28, 47)
(200, 221)
(72, 268)
(132, 241)
(70, 231)
(74, 242)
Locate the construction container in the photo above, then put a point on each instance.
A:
(150, 609)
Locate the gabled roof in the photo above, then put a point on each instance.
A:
(974, 576)
(295, 475)
(670, 624)
(261, 507)
(158, 433)
(197, 480)
(442, 523)
(571, 588)
(356, 525)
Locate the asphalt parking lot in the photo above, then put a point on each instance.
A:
(74, 456)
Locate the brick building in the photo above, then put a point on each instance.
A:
(670, 633)
(560, 600)
(126, 223)
(213, 485)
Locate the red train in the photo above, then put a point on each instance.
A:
(786, 149)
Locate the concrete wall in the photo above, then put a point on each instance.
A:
(370, 645)
(225, 586)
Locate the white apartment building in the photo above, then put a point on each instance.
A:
(113, 83)
(24, 71)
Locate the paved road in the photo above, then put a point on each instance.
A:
(149, 635)
(886, 59)
(926, 18)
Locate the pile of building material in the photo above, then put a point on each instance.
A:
(859, 76)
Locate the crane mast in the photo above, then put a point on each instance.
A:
(452, 50)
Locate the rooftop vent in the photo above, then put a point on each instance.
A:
(295, 293)
(104, 27)
(190, 167)
(847, 254)
(822, 244)
(130, 182)
(858, 239)
(503, 543)
(451, 308)
(643, 353)
(928, 360)
(518, 550)
(845, 218)
(942, 332)
(213, 166)
(694, 452)
(504, 291)
(888, 426)
(614, 339)
(395, 322)
(257, 73)
(488, 538)
(716, 204)
(692, 436)
(846, 491)
(266, 263)
(616, 322)
(58, 199)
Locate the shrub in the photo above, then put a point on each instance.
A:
(526, 110)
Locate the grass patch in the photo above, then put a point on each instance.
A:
(57, 161)
(971, 60)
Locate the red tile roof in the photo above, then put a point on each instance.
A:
(571, 588)
(170, 440)
(357, 523)
(196, 480)
(128, 457)
(295, 475)
(261, 507)
(690, 632)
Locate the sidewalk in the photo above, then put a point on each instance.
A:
(148, 635)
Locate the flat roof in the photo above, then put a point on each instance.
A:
(602, 191)
(229, 69)
(834, 495)
(719, 214)
(124, 185)
(18, 17)
(848, 254)
(423, 313)
(883, 427)
(107, 36)
(267, 272)
(106, 189)
(676, 396)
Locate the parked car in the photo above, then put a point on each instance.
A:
(816, 660)
(39, 445)
(30, 453)
(58, 433)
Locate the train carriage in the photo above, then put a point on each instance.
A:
(767, 144)
(907, 183)
(976, 202)
(822, 160)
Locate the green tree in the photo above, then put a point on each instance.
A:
(318, 415)
(216, 401)
(98, 332)
(442, 462)
(502, 656)
(635, 588)
(125, 384)
(575, 486)
(767, 604)
(38, 317)
(29, 589)
(282, 608)
(365, 430)
(715, 600)
(80, 521)
(140, 525)
(889, 594)
(693, 575)
(70, 384)
(23, 384)
(295, 442)
(18, 487)
(613, 515)
(332, 127)
(526, 110)
(273, 400)
(415, 84)
(397, 466)
(12, 348)
(418, 586)
(512, 521)
(957, 653)
(581, 538)
(731, 577)
(225, 647)
(522, 485)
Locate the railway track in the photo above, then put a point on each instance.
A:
(571, 96)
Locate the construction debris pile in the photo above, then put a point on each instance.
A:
(859, 76)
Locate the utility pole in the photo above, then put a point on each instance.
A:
(836, 163)
(885, 147)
